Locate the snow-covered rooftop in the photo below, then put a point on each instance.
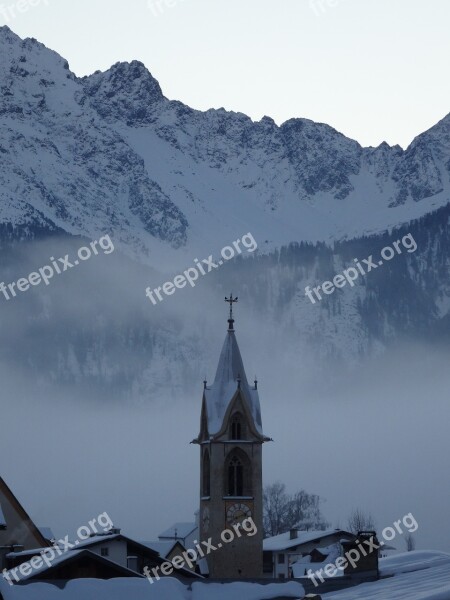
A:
(283, 541)
(47, 533)
(417, 575)
(98, 539)
(219, 395)
(301, 566)
(67, 557)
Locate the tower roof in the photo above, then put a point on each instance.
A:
(230, 376)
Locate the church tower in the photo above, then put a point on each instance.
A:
(230, 441)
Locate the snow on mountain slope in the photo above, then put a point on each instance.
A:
(61, 163)
(109, 153)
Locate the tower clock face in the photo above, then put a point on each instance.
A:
(205, 519)
(236, 513)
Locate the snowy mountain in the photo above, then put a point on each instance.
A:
(110, 154)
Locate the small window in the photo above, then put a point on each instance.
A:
(104, 551)
(281, 559)
(206, 487)
(237, 428)
(235, 477)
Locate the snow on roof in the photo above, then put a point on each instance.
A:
(95, 539)
(178, 531)
(98, 539)
(47, 533)
(283, 541)
(301, 565)
(413, 561)
(417, 575)
(30, 552)
(219, 395)
(108, 537)
(69, 556)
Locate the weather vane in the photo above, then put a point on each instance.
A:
(231, 301)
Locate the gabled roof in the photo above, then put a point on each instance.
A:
(98, 540)
(218, 396)
(87, 545)
(74, 556)
(9, 505)
(282, 541)
(178, 531)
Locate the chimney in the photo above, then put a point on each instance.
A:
(293, 533)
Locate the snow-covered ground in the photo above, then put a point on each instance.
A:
(141, 589)
(419, 575)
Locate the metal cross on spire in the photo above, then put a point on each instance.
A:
(231, 301)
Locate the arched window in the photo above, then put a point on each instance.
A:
(238, 474)
(235, 477)
(206, 483)
(237, 431)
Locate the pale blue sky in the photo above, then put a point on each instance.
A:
(374, 69)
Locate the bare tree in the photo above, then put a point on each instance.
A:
(410, 542)
(360, 521)
(275, 501)
(283, 511)
(304, 511)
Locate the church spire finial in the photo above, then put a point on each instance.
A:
(231, 301)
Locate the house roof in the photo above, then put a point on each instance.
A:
(219, 395)
(178, 531)
(85, 546)
(30, 552)
(47, 533)
(283, 541)
(98, 540)
(5, 491)
(330, 553)
(74, 556)
(95, 540)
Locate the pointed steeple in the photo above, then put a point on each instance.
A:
(230, 379)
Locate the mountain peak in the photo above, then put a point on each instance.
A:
(7, 33)
(126, 92)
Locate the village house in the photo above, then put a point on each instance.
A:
(287, 555)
